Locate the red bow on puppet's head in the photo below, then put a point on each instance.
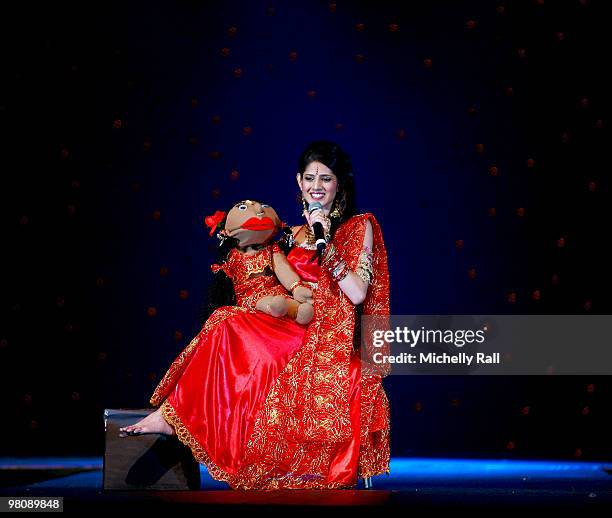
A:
(214, 220)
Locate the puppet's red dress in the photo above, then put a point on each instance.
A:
(266, 403)
(242, 269)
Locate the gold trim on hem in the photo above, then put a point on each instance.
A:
(184, 435)
(236, 481)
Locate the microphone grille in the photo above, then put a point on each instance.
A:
(314, 205)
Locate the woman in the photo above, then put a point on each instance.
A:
(266, 403)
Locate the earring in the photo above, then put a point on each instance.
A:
(339, 206)
(304, 204)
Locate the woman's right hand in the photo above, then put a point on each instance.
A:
(318, 216)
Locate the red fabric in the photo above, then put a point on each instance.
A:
(222, 387)
(250, 288)
(226, 381)
(300, 259)
(220, 395)
(308, 413)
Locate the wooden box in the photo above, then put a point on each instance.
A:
(150, 461)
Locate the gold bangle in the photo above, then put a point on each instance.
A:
(365, 268)
(297, 283)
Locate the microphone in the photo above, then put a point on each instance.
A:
(317, 227)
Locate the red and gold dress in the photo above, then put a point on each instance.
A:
(247, 273)
(266, 403)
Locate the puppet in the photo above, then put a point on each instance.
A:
(260, 276)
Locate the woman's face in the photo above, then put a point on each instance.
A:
(318, 183)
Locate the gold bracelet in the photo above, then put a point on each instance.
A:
(365, 268)
(297, 283)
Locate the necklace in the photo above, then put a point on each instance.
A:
(309, 242)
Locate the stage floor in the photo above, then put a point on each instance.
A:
(467, 484)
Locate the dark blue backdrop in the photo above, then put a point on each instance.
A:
(477, 132)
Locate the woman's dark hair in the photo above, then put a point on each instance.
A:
(334, 157)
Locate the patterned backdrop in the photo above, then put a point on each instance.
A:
(479, 136)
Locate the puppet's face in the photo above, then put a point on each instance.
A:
(252, 223)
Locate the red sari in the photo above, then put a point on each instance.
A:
(266, 403)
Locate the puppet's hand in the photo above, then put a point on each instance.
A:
(302, 294)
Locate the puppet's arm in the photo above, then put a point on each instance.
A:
(288, 278)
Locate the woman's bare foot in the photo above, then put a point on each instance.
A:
(153, 423)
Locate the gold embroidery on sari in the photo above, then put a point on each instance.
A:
(306, 413)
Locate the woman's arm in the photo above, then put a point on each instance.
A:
(353, 285)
